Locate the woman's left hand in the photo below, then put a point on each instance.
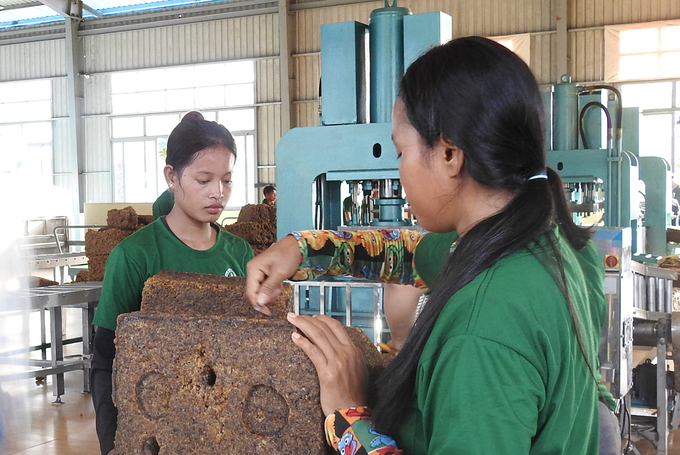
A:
(343, 377)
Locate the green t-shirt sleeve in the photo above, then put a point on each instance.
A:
(121, 290)
(431, 254)
(478, 386)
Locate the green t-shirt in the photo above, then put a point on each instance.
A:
(434, 248)
(163, 205)
(501, 371)
(502, 360)
(152, 249)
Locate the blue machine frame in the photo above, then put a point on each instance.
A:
(312, 162)
(612, 179)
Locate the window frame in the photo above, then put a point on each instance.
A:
(612, 54)
(46, 91)
(673, 110)
(250, 156)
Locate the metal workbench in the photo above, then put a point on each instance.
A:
(52, 299)
(56, 261)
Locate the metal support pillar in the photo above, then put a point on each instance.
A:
(86, 323)
(286, 66)
(56, 351)
(661, 397)
(75, 89)
(562, 57)
(72, 11)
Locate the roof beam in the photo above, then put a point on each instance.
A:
(67, 8)
(92, 11)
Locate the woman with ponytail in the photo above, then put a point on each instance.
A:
(503, 354)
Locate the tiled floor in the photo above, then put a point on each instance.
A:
(40, 427)
(33, 424)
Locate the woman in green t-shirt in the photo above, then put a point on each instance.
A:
(199, 166)
(502, 357)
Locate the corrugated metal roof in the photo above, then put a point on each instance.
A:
(11, 3)
(29, 10)
(17, 13)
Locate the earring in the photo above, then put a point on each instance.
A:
(170, 186)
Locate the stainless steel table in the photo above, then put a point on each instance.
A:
(53, 298)
(56, 261)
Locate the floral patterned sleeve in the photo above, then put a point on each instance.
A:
(350, 432)
(381, 255)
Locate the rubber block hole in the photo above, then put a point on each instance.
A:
(208, 376)
(150, 446)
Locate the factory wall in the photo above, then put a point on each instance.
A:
(210, 41)
(37, 60)
(257, 37)
(252, 37)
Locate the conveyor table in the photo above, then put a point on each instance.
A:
(83, 295)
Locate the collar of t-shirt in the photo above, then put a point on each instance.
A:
(165, 223)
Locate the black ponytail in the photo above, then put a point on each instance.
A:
(482, 98)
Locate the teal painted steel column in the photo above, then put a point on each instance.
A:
(565, 110)
(386, 38)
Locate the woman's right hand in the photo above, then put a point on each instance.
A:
(267, 271)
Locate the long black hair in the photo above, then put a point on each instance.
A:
(484, 99)
(192, 135)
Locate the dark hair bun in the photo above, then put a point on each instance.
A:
(193, 115)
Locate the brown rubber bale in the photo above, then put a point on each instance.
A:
(258, 213)
(198, 294)
(214, 386)
(125, 218)
(253, 233)
(102, 241)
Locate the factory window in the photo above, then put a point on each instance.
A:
(209, 86)
(148, 104)
(139, 145)
(659, 105)
(26, 129)
(642, 51)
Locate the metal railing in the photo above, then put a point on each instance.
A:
(343, 300)
(69, 242)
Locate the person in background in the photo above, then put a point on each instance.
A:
(503, 355)
(269, 195)
(164, 204)
(199, 166)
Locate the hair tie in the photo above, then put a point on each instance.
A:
(538, 176)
